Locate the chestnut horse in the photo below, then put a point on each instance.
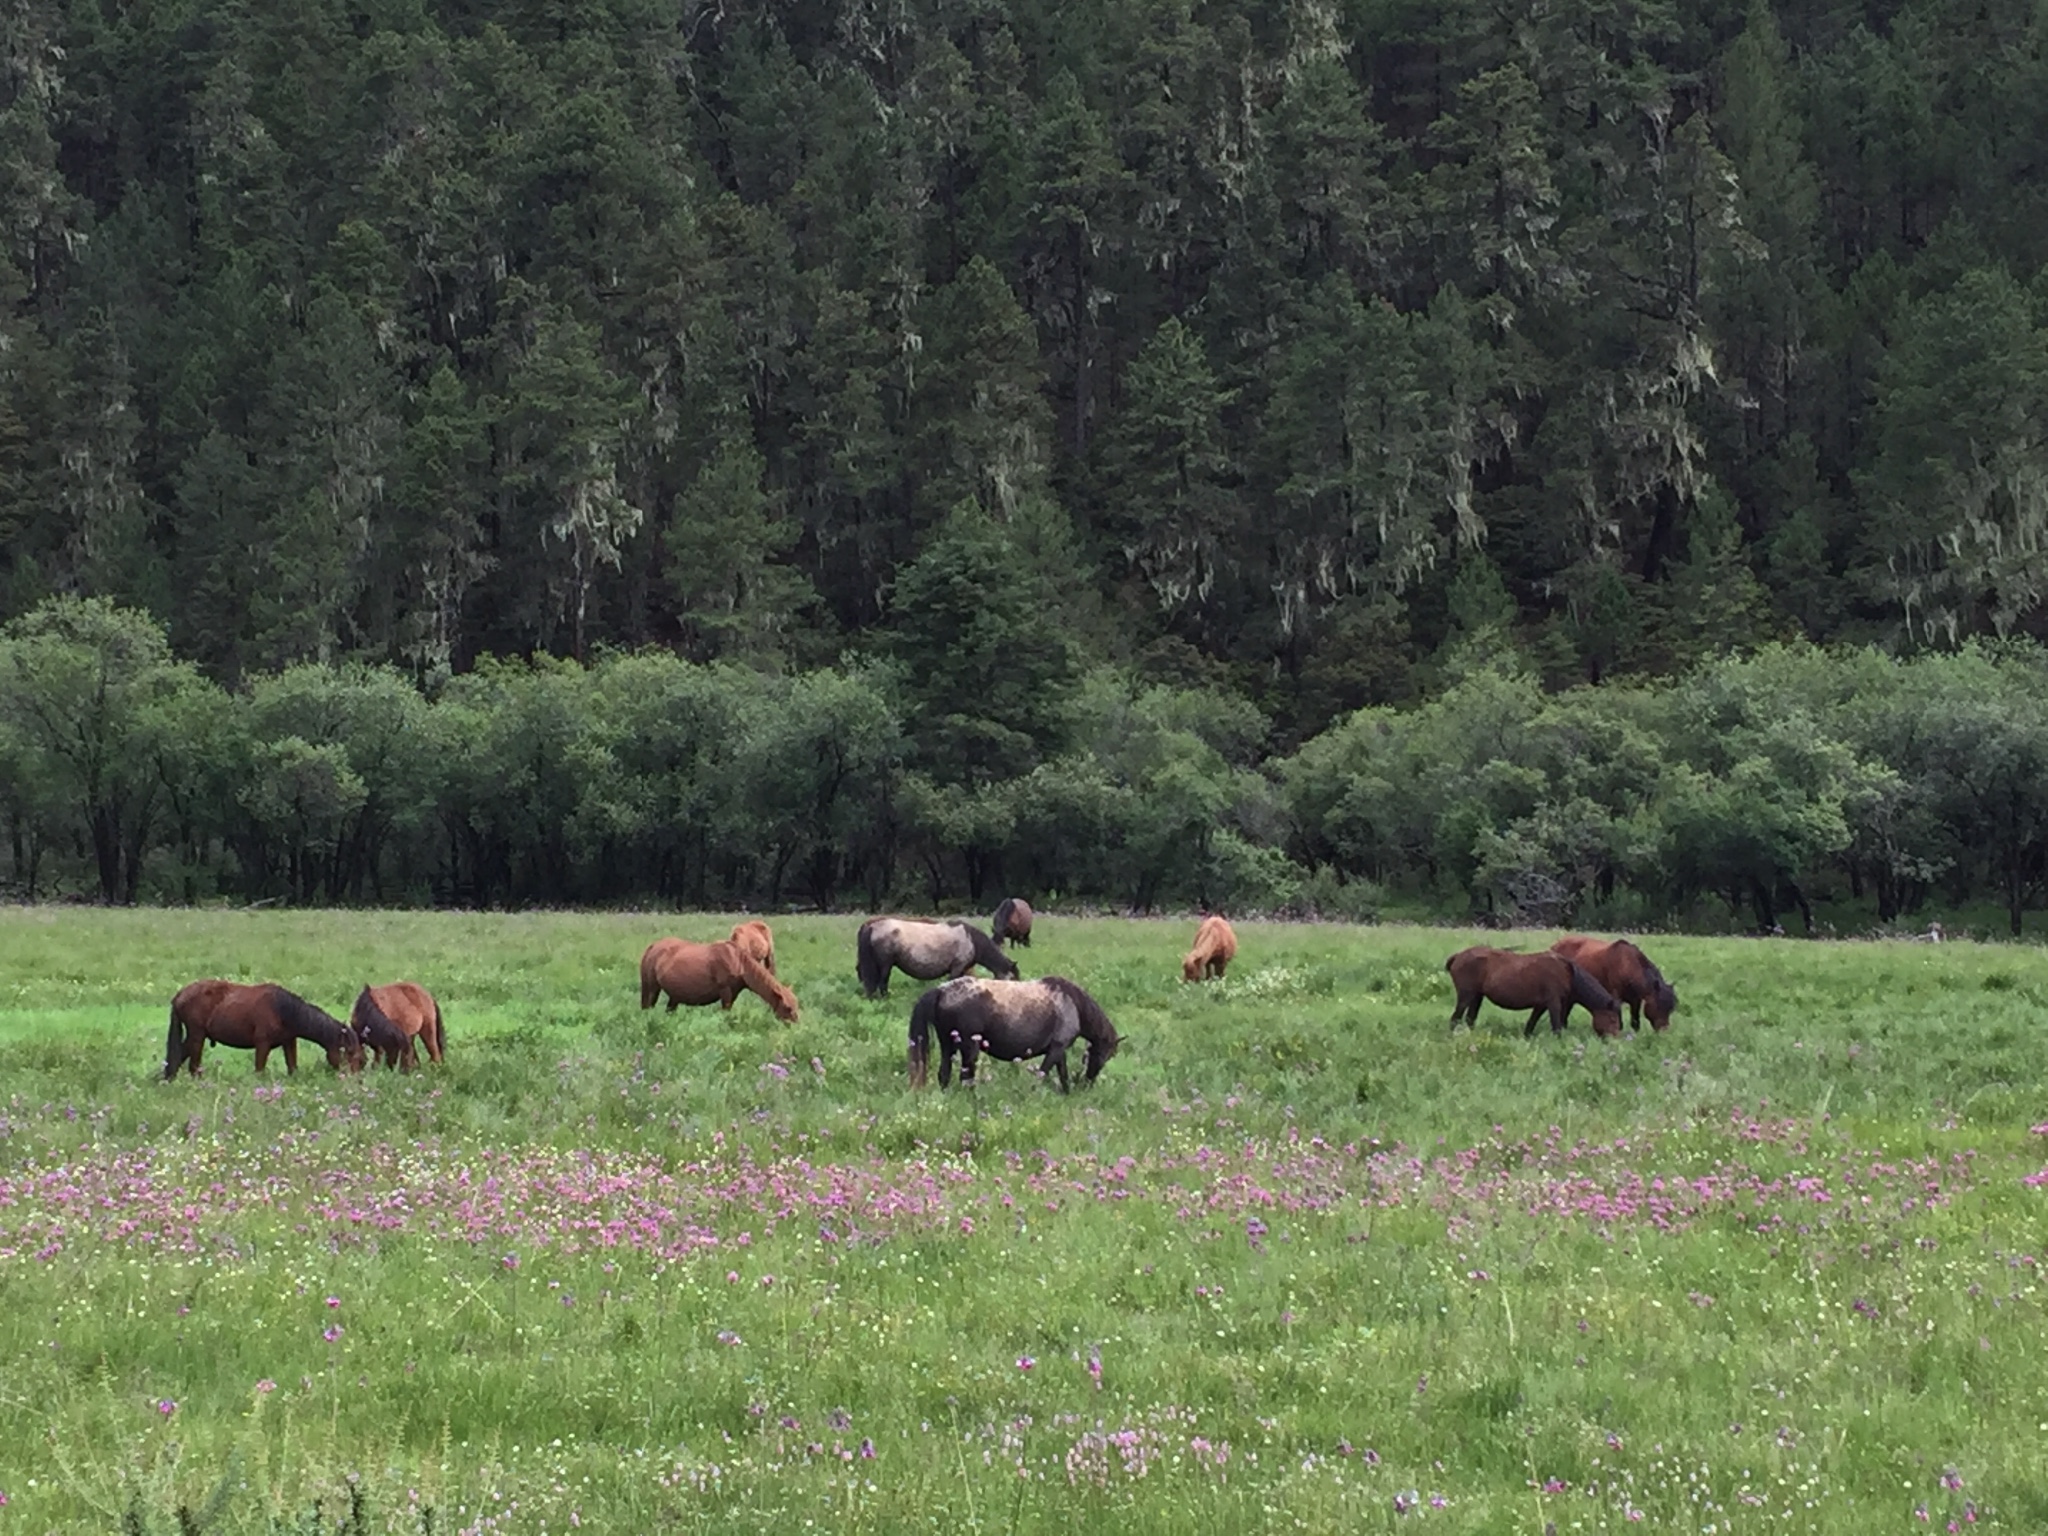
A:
(1012, 922)
(409, 1010)
(702, 974)
(758, 940)
(260, 1018)
(926, 951)
(1215, 947)
(1627, 972)
(1543, 983)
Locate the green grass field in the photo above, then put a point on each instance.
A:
(1302, 1259)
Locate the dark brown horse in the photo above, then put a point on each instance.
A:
(1627, 972)
(926, 951)
(758, 940)
(1012, 923)
(1215, 947)
(702, 974)
(404, 1010)
(260, 1018)
(1541, 983)
(1009, 1020)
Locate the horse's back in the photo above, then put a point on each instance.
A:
(407, 1004)
(695, 974)
(758, 940)
(196, 1001)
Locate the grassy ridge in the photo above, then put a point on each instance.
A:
(1773, 1270)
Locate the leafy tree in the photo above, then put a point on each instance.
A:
(93, 700)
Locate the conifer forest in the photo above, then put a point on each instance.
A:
(1487, 457)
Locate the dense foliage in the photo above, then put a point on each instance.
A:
(1745, 790)
(961, 390)
(416, 331)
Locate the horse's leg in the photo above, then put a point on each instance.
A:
(946, 1049)
(1560, 1013)
(970, 1053)
(262, 1057)
(1530, 1028)
(1057, 1062)
(1635, 1016)
(195, 1047)
(291, 1054)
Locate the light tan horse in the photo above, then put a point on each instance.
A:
(408, 1008)
(702, 974)
(1215, 947)
(758, 940)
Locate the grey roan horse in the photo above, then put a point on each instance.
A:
(926, 951)
(1009, 1020)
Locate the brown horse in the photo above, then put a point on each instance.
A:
(1627, 972)
(1541, 983)
(409, 1010)
(1012, 923)
(1215, 947)
(260, 1018)
(702, 974)
(758, 940)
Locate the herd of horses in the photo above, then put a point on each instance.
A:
(1002, 1015)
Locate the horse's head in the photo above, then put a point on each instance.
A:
(782, 1003)
(1191, 966)
(1099, 1052)
(1663, 1002)
(346, 1053)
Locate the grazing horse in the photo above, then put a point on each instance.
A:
(404, 1007)
(925, 951)
(1009, 1020)
(1215, 947)
(1012, 922)
(1627, 972)
(1541, 983)
(758, 940)
(703, 974)
(259, 1018)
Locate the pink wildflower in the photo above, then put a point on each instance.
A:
(266, 1386)
(333, 1302)
(1025, 1362)
(331, 1333)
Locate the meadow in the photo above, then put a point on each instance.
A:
(1303, 1259)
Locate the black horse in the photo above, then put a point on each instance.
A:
(1012, 922)
(382, 1038)
(924, 950)
(1009, 1020)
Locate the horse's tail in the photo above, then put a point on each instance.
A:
(174, 1047)
(924, 1018)
(867, 965)
(650, 985)
(440, 1049)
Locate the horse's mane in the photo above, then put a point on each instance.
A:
(1665, 994)
(1096, 1029)
(986, 950)
(366, 1004)
(305, 1019)
(1588, 993)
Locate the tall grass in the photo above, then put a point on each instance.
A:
(1303, 1258)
